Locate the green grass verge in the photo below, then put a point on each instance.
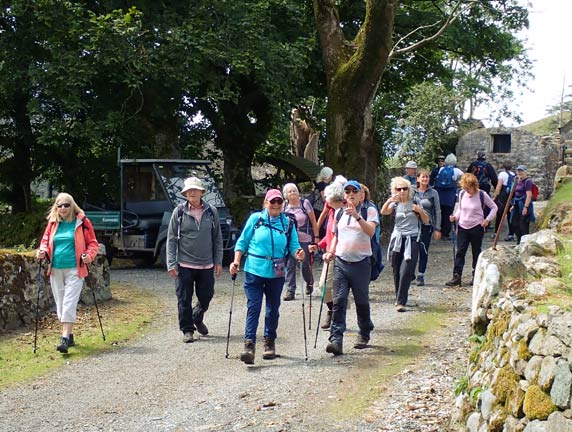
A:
(561, 297)
(562, 196)
(398, 351)
(125, 317)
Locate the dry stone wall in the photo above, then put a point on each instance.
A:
(520, 369)
(19, 283)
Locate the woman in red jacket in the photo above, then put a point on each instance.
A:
(69, 243)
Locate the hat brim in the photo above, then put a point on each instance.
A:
(191, 188)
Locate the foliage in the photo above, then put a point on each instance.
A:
(462, 385)
(23, 230)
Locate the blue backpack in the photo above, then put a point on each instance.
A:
(510, 182)
(377, 265)
(445, 178)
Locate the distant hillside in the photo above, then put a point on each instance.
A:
(548, 125)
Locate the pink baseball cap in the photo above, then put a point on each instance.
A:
(273, 193)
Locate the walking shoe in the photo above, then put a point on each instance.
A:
(400, 308)
(63, 346)
(247, 356)
(202, 328)
(494, 236)
(328, 321)
(420, 281)
(361, 342)
(334, 348)
(71, 342)
(188, 337)
(309, 289)
(288, 296)
(269, 350)
(455, 282)
(509, 237)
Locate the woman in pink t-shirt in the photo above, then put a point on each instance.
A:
(471, 221)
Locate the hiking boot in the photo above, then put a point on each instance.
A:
(509, 237)
(188, 337)
(202, 328)
(63, 346)
(328, 321)
(361, 342)
(455, 282)
(334, 348)
(247, 356)
(309, 289)
(71, 342)
(420, 280)
(400, 308)
(288, 296)
(269, 350)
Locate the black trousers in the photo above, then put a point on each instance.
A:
(465, 237)
(200, 281)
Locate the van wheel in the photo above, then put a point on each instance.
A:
(144, 261)
(227, 257)
(163, 253)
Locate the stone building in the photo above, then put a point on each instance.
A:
(542, 155)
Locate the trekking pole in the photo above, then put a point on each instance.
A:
(304, 316)
(90, 283)
(230, 314)
(454, 239)
(39, 283)
(311, 259)
(504, 212)
(321, 305)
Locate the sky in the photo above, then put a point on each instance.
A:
(547, 40)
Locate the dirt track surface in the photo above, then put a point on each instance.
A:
(403, 382)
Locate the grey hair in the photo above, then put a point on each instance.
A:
(451, 159)
(325, 175)
(288, 187)
(401, 182)
(334, 192)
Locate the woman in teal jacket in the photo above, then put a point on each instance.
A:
(267, 239)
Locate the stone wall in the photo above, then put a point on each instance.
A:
(19, 288)
(520, 369)
(541, 155)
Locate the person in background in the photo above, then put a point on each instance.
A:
(267, 239)
(351, 249)
(448, 193)
(471, 224)
(428, 199)
(500, 197)
(316, 198)
(440, 164)
(411, 172)
(522, 208)
(403, 249)
(334, 201)
(194, 256)
(308, 233)
(69, 243)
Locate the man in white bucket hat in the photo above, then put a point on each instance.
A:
(194, 256)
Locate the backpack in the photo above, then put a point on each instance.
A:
(480, 171)
(307, 228)
(534, 191)
(444, 179)
(509, 182)
(377, 265)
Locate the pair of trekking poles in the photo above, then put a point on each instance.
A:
(39, 287)
(303, 315)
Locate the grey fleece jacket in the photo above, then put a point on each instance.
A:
(199, 244)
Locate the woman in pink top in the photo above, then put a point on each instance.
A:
(471, 223)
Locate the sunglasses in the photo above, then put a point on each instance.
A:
(350, 190)
(64, 205)
(276, 201)
(400, 189)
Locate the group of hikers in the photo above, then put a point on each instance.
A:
(338, 220)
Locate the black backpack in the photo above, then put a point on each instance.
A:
(377, 265)
(481, 173)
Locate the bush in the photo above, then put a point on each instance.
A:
(23, 230)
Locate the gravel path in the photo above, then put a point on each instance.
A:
(158, 383)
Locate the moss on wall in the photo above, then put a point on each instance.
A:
(537, 404)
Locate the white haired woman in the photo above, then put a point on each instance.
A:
(69, 243)
(308, 233)
(403, 250)
(446, 186)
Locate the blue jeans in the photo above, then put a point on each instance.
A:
(254, 288)
(425, 241)
(355, 276)
(200, 281)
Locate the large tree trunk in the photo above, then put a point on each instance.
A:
(21, 171)
(353, 71)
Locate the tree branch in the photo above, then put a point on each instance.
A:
(455, 13)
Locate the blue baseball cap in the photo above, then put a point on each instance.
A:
(353, 183)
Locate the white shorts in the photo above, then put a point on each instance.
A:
(66, 288)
